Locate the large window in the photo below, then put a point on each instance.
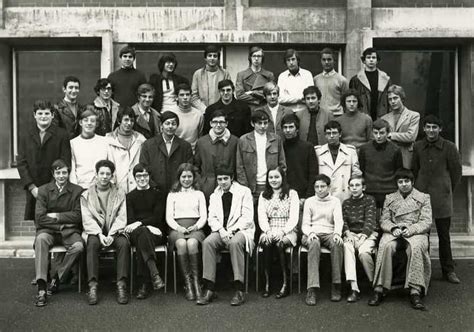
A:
(428, 77)
(40, 75)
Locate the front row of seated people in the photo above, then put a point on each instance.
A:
(110, 219)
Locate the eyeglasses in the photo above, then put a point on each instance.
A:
(221, 123)
(226, 90)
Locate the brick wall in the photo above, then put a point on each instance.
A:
(113, 3)
(422, 3)
(297, 3)
(15, 208)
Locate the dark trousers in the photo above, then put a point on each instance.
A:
(122, 247)
(445, 255)
(44, 241)
(145, 242)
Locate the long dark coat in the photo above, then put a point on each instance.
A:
(35, 159)
(164, 167)
(437, 169)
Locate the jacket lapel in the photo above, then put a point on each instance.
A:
(341, 157)
(382, 82)
(363, 79)
(401, 120)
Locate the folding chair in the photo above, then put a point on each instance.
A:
(57, 249)
(303, 249)
(158, 249)
(289, 251)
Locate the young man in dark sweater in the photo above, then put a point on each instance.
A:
(379, 159)
(126, 80)
(146, 226)
(360, 235)
(301, 159)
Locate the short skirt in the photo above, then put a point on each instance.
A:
(185, 222)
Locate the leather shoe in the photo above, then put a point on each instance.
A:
(53, 286)
(452, 278)
(122, 294)
(311, 297)
(376, 299)
(284, 291)
(206, 298)
(142, 292)
(266, 291)
(336, 293)
(238, 298)
(157, 282)
(41, 299)
(353, 296)
(92, 295)
(416, 303)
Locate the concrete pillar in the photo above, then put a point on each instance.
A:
(107, 54)
(358, 21)
(231, 10)
(5, 106)
(466, 84)
(2, 21)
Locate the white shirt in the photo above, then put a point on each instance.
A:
(274, 111)
(292, 86)
(261, 145)
(169, 97)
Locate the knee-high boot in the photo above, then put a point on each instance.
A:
(195, 271)
(188, 287)
(284, 291)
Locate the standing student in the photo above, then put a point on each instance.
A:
(331, 84)
(86, 150)
(293, 81)
(250, 82)
(105, 107)
(39, 148)
(403, 123)
(275, 111)
(148, 120)
(165, 82)
(126, 80)
(190, 118)
(204, 85)
(437, 168)
(165, 152)
(68, 110)
(372, 84)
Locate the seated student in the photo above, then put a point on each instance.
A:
(186, 215)
(358, 212)
(148, 121)
(147, 228)
(405, 222)
(322, 226)
(278, 213)
(58, 222)
(86, 150)
(104, 217)
(233, 228)
(356, 126)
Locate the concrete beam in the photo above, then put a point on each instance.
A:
(2, 7)
(5, 106)
(358, 20)
(107, 54)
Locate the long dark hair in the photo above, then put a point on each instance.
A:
(176, 187)
(285, 188)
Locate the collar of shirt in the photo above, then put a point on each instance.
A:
(274, 109)
(60, 188)
(224, 137)
(332, 72)
(168, 141)
(295, 75)
(142, 111)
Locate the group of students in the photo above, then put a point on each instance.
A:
(321, 161)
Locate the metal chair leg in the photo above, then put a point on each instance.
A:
(256, 269)
(299, 270)
(247, 273)
(166, 270)
(174, 272)
(291, 270)
(132, 258)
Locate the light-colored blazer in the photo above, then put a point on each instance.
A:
(404, 132)
(346, 166)
(240, 216)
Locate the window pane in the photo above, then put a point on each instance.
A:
(428, 79)
(40, 75)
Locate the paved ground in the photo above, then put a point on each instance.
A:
(450, 308)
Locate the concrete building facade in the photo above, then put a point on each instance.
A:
(427, 46)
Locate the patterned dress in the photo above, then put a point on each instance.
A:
(280, 214)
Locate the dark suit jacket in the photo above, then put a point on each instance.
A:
(238, 116)
(64, 118)
(322, 119)
(164, 167)
(156, 81)
(142, 126)
(35, 159)
(67, 204)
